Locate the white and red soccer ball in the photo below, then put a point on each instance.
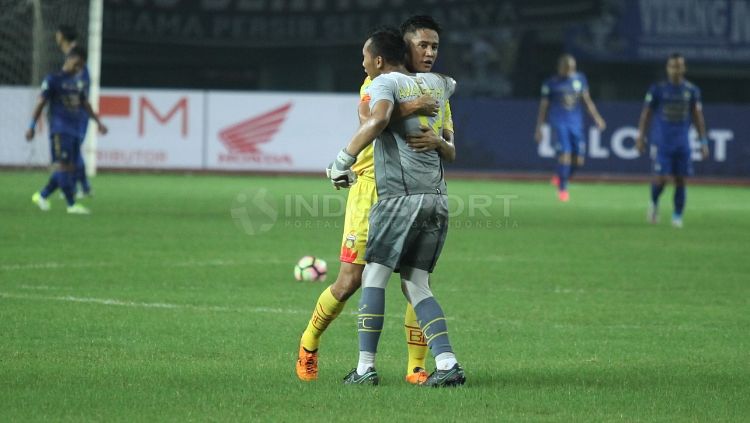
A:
(311, 269)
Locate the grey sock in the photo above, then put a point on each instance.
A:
(370, 318)
(432, 321)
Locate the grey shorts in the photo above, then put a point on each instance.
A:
(408, 231)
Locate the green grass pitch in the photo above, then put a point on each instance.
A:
(175, 301)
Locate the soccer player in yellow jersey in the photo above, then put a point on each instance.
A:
(422, 35)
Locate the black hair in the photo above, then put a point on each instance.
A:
(416, 22)
(79, 51)
(68, 32)
(565, 56)
(387, 42)
(676, 55)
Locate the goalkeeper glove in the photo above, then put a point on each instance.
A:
(340, 172)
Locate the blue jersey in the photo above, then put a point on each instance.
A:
(84, 114)
(564, 95)
(65, 94)
(672, 105)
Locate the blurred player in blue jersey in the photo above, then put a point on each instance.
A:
(561, 99)
(66, 94)
(66, 38)
(675, 103)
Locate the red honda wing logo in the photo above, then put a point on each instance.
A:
(244, 137)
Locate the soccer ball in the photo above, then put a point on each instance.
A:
(310, 268)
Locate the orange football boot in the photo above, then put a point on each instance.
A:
(417, 377)
(307, 365)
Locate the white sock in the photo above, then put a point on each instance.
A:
(366, 360)
(445, 361)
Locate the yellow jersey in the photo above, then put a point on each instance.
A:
(365, 165)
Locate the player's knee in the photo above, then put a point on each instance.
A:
(416, 284)
(564, 159)
(580, 160)
(348, 281)
(679, 181)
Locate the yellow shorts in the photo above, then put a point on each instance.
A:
(362, 196)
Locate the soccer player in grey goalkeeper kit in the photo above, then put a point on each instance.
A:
(409, 223)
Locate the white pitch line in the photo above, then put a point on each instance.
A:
(120, 303)
(190, 263)
(170, 306)
(49, 265)
(43, 287)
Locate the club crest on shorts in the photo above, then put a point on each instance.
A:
(348, 253)
(350, 240)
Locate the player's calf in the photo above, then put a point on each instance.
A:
(348, 281)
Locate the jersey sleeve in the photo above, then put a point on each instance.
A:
(584, 82)
(448, 117)
(83, 89)
(382, 89)
(695, 99)
(450, 86)
(546, 90)
(48, 86)
(85, 75)
(652, 97)
(364, 96)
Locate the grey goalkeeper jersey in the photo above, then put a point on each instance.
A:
(400, 171)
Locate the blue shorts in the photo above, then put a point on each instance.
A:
(569, 140)
(66, 149)
(677, 163)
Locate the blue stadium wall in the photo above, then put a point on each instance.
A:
(497, 135)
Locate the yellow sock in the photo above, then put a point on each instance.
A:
(415, 342)
(326, 310)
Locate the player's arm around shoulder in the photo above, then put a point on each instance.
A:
(382, 100)
(427, 139)
(425, 105)
(340, 170)
(382, 89)
(380, 115)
